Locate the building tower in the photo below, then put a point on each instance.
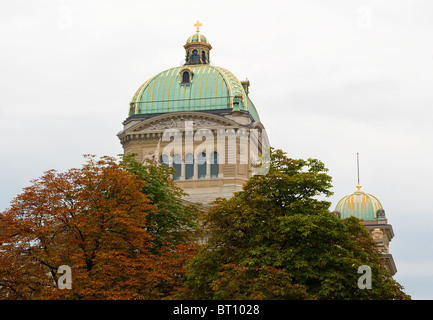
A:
(370, 211)
(198, 118)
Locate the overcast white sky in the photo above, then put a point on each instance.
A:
(328, 78)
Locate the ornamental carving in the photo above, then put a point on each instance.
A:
(377, 234)
(179, 124)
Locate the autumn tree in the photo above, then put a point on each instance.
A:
(170, 219)
(276, 239)
(95, 220)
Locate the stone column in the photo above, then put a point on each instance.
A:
(182, 169)
(195, 176)
(208, 160)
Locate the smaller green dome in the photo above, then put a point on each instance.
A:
(360, 205)
(197, 38)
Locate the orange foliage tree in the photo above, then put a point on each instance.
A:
(93, 220)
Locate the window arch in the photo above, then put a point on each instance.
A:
(163, 160)
(195, 56)
(186, 77)
(201, 165)
(189, 166)
(214, 165)
(177, 165)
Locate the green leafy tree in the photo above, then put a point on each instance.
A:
(171, 219)
(277, 240)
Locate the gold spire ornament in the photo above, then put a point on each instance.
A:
(357, 162)
(198, 25)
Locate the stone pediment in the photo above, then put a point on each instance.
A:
(179, 122)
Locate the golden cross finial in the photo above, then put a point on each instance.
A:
(198, 25)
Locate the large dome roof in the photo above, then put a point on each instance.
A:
(360, 205)
(208, 88)
(196, 86)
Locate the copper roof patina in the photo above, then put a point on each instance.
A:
(360, 205)
(210, 88)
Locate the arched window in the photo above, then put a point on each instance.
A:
(163, 160)
(201, 165)
(189, 166)
(214, 165)
(177, 165)
(195, 57)
(203, 57)
(185, 77)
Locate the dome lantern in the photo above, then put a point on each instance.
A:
(197, 48)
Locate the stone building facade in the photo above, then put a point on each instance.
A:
(198, 118)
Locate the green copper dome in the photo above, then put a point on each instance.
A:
(360, 205)
(197, 38)
(195, 87)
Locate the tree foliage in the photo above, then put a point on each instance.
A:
(170, 218)
(276, 239)
(126, 234)
(99, 221)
